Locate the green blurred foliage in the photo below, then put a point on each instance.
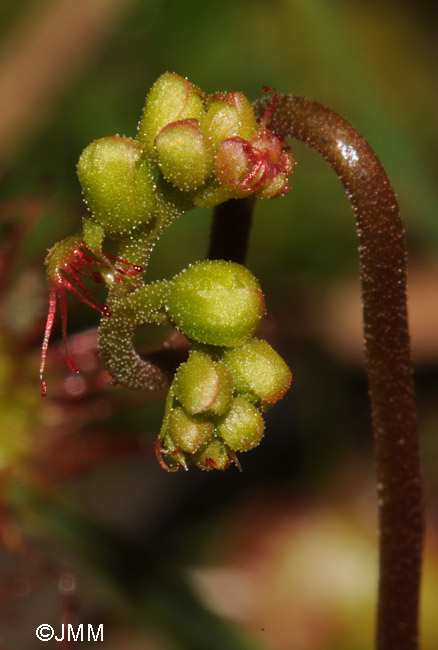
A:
(373, 62)
(370, 61)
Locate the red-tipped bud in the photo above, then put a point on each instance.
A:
(261, 165)
(67, 263)
(237, 166)
(214, 456)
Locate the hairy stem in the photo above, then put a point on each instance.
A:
(388, 358)
(133, 303)
(116, 349)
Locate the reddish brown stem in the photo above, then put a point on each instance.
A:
(230, 230)
(388, 358)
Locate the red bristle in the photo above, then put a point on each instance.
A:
(133, 269)
(267, 116)
(47, 333)
(63, 302)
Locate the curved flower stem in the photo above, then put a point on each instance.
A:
(116, 343)
(132, 303)
(388, 358)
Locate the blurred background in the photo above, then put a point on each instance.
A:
(283, 555)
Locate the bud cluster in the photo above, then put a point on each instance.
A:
(215, 403)
(190, 149)
(206, 148)
(212, 146)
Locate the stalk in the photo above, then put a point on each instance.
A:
(388, 357)
(230, 230)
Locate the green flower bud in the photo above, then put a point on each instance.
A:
(183, 155)
(223, 402)
(216, 302)
(202, 385)
(173, 458)
(277, 187)
(228, 115)
(197, 384)
(259, 369)
(243, 426)
(189, 432)
(214, 456)
(117, 183)
(171, 98)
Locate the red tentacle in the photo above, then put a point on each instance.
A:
(47, 333)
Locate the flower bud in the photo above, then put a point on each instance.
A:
(279, 163)
(237, 168)
(183, 155)
(202, 385)
(171, 98)
(223, 402)
(214, 456)
(228, 115)
(258, 369)
(117, 183)
(243, 426)
(260, 166)
(189, 432)
(278, 185)
(168, 455)
(216, 302)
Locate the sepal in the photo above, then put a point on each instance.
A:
(258, 370)
(216, 302)
(117, 183)
(170, 99)
(184, 157)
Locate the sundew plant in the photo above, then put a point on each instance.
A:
(220, 151)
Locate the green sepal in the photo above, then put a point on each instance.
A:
(258, 369)
(216, 302)
(243, 426)
(189, 432)
(201, 385)
(170, 99)
(228, 115)
(223, 402)
(117, 183)
(184, 157)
